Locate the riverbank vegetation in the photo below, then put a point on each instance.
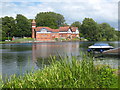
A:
(65, 73)
(31, 40)
(88, 28)
(18, 40)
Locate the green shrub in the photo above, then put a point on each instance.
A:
(6, 38)
(56, 39)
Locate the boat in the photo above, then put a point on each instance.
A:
(99, 47)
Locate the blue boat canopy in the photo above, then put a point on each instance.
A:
(101, 44)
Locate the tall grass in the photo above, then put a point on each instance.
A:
(67, 74)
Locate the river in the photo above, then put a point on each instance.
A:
(21, 57)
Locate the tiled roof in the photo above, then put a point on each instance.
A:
(61, 29)
(38, 28)
(55, 30)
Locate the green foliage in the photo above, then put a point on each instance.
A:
(19, 27)
(107, 32)
(76, 24)
(56, 39)
(49, 19)
(118, 35)
(75, 39)
(8, 26)
(64, 24)
(98, 32)
(23, 26)
(67, 73)
(23, 40)
(20, 40)
(106, 77)
(6, 38)
(89, 29)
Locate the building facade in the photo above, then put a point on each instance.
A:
(47, 34)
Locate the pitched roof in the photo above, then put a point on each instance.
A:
(55, 30)
(61, 29)
(74, 29)
(38, 28)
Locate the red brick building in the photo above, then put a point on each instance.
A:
(47, 34)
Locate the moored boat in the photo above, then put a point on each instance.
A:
(100, 47)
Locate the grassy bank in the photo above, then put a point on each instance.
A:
(64, 73)
(28, 40)
(18, 40)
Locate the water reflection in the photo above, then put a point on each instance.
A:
(45, 50)
(17, 58)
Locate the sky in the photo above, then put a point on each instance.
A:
(102, 11)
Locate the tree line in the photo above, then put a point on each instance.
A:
(89, 29)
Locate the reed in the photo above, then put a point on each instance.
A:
(66, 73)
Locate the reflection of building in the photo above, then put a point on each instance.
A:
(46, 33)
(44, 50)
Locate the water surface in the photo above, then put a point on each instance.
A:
(21, 57)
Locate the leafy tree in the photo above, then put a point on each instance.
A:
(8, 26)
(64, 24)
(2, 33)
(0, 29)
(118, 35)
(107, 32)
(77, 24)
(89, 29)
(49, 19)
(98, 32)
(23, 26)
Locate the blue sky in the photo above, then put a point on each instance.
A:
(73, 10)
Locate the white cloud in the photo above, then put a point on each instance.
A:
(77, 10)
(27, 9)
(60, 0)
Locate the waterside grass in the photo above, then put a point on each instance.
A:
(66, 73)
(21, 40)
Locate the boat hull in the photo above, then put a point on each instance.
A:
(99, 48)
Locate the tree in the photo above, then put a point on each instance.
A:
(0, 29)
(64, 24)
(118, 35)
(77, 24)
(23, 26)
(49, 19)
(8, 26)
(107, 32)
(90, 29)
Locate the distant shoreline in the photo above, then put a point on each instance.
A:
(8, 42)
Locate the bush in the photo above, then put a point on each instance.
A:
(6, 38)
(56, 39)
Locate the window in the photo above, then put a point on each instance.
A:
(43, 30)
